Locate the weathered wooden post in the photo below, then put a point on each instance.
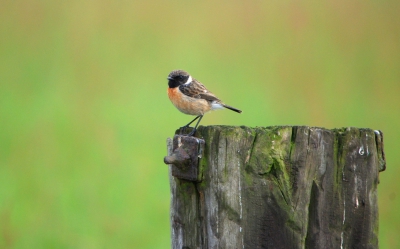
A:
(275, 187)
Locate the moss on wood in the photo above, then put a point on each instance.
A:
(281, 187)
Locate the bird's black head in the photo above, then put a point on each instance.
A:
(177, 78)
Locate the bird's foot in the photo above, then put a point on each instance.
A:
(182, 131)
(192, 132)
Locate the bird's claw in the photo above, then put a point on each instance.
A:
(182, 131)
(192, 132)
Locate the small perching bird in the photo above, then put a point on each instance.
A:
(192, 98)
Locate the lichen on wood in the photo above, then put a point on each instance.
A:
(280, 187)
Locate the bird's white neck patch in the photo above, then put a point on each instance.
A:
(189, 80)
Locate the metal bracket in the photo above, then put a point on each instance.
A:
(185, 157)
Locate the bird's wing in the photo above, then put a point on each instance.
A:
(197, 90)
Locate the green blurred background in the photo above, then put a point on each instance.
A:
(84, 113)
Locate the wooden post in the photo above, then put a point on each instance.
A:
(280, 187)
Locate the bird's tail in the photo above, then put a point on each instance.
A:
(232, 108)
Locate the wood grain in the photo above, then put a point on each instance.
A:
(280, 187)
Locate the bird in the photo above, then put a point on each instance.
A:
(191, 97)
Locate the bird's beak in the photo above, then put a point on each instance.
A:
(169, 78)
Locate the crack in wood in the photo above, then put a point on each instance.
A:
(300, 187)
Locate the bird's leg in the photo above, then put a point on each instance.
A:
(193, 120)
(195, 128)
(186, 126)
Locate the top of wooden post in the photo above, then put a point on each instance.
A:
(277, 187)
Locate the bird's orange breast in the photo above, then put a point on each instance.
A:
(186, 104)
